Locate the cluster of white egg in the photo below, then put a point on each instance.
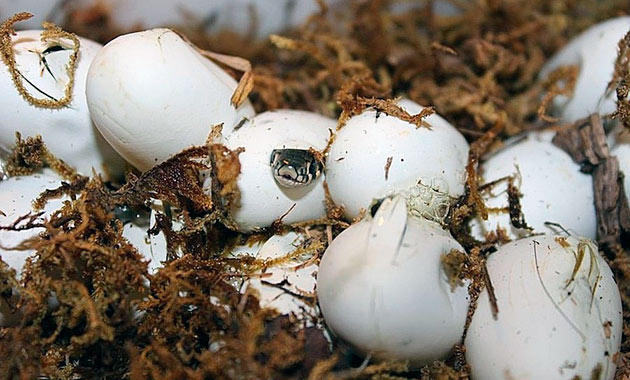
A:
(381, 284)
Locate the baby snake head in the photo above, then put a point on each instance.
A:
(293, 168)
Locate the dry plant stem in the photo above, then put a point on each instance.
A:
(586, 144)
(51, 33)
(621, 80)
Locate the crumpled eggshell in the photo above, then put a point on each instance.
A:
(262, 199)
(16, 196)
(595, 52)
(553, 189)
(68, 132)
(551, 324)
(427, 165)
(152, 94)
(286, 275)
(382, 288)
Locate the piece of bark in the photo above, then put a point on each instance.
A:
(586, 144)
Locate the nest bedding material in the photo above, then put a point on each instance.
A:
(478, 69)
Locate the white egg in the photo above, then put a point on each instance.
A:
(375, 155)
(594, 51)
(263, 199)
(234, 15)
(553, 189)
(382, 288)
(286, 285)
(68, 132)
(152, 94)
(16, 196)
(152, 248)
(559, 314)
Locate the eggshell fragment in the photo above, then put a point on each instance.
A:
(152, 94)
(552, 187)
(375, 155)
(594, 51)
(68, 132)
(263, 200)
(287, 285)
(382, 288)
(559, 313)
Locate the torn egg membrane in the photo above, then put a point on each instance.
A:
(152, 94)
(378, 279)
(263, 198)
(288, 286)
(594, 51)
(559, 313)
(552, 188)
(376, 155)
(68, 132)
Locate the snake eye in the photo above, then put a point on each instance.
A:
(293, 168)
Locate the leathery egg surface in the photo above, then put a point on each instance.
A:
(375, 155)
(559, 313)
(551, 185)
(152, 94)
(282, 285)
(382, 287)
(594, 51)
(263, 200)
(68, 132)
(16, 196)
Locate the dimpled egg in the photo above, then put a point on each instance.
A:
(559, 313)
(375, 155)
(594, 51)
(68, 132)
(264, 198)
(152, 94)
(551, 185)
(382, 287)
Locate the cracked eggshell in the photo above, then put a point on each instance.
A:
(375, 155)
(286, 275)
(553, 189)
(68, 132)
(16, 196)
(382, 288)
(557, 325)
(594, 51)
(152, 94)
(262, 199)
